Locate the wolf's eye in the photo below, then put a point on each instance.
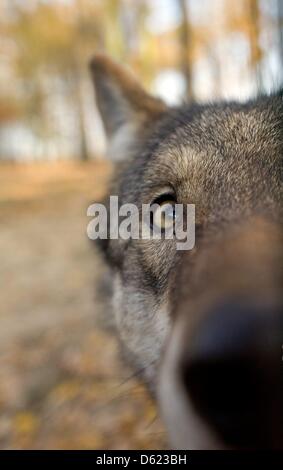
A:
(163, 213)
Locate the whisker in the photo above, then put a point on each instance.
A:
(136, 374)
(151, 422)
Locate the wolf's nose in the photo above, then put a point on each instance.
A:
(233, 373)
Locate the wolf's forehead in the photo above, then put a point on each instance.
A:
(222, 135)
(226, 129)
(232, 152)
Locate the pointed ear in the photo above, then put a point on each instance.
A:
(127, 110)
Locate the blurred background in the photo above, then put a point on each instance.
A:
(179, 48)
(61, 382)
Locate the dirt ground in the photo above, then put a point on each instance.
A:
(62, 384)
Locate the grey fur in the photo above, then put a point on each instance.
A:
(225, 158)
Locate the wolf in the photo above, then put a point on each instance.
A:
(204, 326)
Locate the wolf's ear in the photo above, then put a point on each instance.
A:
(127, 110)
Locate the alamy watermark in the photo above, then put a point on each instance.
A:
(167, 221)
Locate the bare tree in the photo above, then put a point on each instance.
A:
(280, 30)
(254, 30)
(186, 48)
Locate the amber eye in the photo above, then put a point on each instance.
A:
(163, 212)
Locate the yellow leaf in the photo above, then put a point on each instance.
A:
(25, 423)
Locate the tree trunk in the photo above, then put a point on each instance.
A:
(80, 109)
(256, 52)
(186, 49)
(280, 31)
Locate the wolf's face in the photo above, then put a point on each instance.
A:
(205, 326)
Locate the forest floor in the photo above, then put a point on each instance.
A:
(62, 384)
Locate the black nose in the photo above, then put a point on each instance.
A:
(233, 373)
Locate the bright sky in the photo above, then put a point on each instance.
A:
(164, 15)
